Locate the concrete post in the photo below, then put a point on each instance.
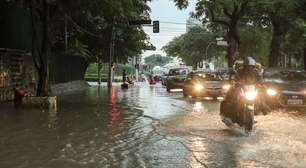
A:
(111, 55)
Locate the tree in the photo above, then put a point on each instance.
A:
(192, 46)
(279, 15)
(109, 21)
(300, 11)
(157, 60)
(255, 41)
(42, 12)
(225, 13)
(94, 19)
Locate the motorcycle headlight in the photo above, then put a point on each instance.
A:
(226, 87)
(271, 92)
(250, 95)
(198, 87)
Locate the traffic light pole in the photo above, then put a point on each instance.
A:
(111, 56)
(112, 45)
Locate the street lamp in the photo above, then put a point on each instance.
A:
(206, 51)
(220, 42)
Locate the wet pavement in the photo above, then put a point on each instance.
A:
(145, 127)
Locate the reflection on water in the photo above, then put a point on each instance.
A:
(91, 128)
(143, 126)
(198, 107)
(115, 109)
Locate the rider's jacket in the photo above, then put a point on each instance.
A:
(248, 76)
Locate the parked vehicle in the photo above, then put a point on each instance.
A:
(152, 79)
(241, 109)
(142, 78)
(285, 88)
(175, 78)
(158, 72)
(205, 84)
(164, 79)
(224, 73)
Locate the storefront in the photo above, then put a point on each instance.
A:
(15, 71)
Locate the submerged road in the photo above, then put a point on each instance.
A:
(145, 127)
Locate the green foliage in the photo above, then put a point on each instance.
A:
(191, 47)
(255, 42)
(270, 29)
(79, 49)
(92, 69)
(224, 15)
(97, 18)
(157, 60)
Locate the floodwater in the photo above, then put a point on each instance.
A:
(145, 127)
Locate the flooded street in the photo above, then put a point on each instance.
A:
(145, 127)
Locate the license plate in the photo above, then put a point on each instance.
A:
(295, 102)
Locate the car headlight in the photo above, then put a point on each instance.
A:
(250, 95)
(271, 92)
(226, 87)
(198, 87)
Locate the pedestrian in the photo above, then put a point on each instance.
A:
(124, 76)
(124, 85)
(17, 97)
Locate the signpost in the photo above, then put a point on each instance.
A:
(222, 43)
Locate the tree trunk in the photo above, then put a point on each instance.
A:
(276, 43)
(111, 55)
(304, 58)
(99, 72)
(289, 60)
(232, 49)
(43, 82)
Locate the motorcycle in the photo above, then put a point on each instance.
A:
(152, 80)
(241, 110)
(142, 78)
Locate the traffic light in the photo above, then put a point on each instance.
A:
(155, 26)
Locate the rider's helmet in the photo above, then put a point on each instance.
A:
(249, 61)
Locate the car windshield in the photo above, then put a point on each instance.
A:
(174, 72)
(286, 76)
(205, 76)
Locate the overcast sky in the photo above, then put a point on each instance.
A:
(172, 23)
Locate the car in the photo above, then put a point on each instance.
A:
(164, 79)
(225, 73)
(205, 84)
(285, 88)
(175, 78)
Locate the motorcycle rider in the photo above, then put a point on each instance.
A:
(248, 74)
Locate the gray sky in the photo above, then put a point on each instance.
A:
(172, 23)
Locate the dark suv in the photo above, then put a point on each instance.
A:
(176, 78)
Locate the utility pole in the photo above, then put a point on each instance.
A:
(111, 55)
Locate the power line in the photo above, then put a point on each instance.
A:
(180, 23)
(81, 29)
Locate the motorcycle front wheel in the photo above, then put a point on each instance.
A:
(248, 119)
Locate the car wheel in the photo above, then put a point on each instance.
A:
(194, 96)
(185, 93)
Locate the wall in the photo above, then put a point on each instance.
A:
(16, 33)
(65, 68)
